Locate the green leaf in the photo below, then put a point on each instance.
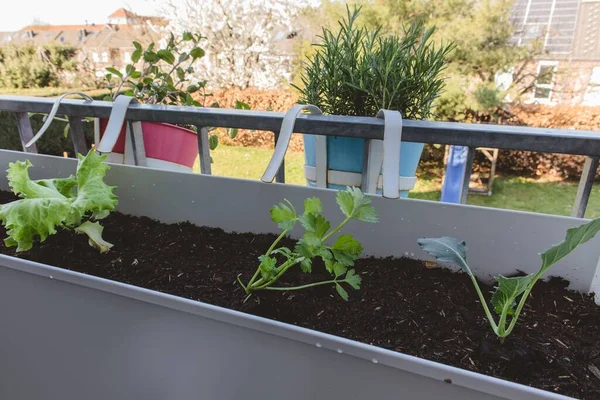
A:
(183, 57)
(192, 89)
(232, 132)
(180, 73)
(284, 215)
(137, 45)
(187, 36)
(29, 218)
(343, 294)
(312, 239)
(166, 56)
(240, 105)
(509, 289)
(284, 251)
(353, 279)
(94, 232)
(315, 223)
(22, 185)
(313, 205)
(197, 52)
(66, 130)
(136, 75)
(575, 237)
(305, 251)
(447, 250)
(354, 204)
(346, 250)
(129, 69)
(136, 55)
(267, 267)
(151, 57)
(64, 186)
(339, 269)
(213, 142)
(115, 71)
(93, 195)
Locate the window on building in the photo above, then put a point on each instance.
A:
(592, 91)
(104, 56)
(95, 57)
(127, 57)
(545, 80)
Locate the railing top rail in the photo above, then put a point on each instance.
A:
(474, 135)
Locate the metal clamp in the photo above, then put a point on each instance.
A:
(285, 134)
(392, 138)
(52, 114)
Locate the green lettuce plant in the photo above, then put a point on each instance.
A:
(511, 293)
(67, 203)
(337, 257)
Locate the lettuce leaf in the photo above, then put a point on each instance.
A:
(48, 204)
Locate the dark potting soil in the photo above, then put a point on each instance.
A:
(403, 305)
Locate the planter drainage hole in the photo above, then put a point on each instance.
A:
(319, 345)
(374, 361)
(448, 380)
(339, 351)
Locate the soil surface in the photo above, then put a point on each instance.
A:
(403, 305)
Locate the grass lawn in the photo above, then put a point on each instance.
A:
(509, 192)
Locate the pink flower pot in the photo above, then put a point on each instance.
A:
(167, 146)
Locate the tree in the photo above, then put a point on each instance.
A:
(240, 37)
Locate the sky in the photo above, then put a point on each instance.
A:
(62, 12)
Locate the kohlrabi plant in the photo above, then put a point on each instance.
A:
(511, 293)
(65, 203)
(338, 257)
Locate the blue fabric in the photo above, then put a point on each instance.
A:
(346, 154)
(455, 172)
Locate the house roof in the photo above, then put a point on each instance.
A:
(123, 13)
(48, 28)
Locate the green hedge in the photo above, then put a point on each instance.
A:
(53, 142)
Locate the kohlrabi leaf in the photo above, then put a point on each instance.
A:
(315, 223)
(93, 195)
(354, 204)
(346, 250)
(94, 232)
(509, 289)
(343, 294)
(447, 250)
(353, 279)
(575, 237)
(313, 205)
(28, 219)
(284, 215)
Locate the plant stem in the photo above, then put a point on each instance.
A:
(515, 317)
(304, 286)
(484, 305)
(284, 267)
(281, 236)
(335, 230)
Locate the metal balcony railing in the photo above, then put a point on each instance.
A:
(585, 143)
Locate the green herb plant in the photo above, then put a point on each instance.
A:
(166, 76)
(338, 257)
(511, 293)
(76, 203)
(355, 71)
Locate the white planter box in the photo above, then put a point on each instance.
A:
(66, 335)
